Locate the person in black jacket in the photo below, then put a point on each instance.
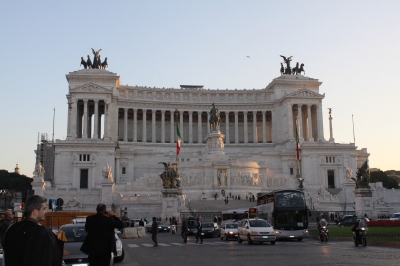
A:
(199, 231)
(184, 229)
(100, 238)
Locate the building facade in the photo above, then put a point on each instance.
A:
(133, 129)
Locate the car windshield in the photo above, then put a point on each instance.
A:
(259, 223)
(208, 225)
(395, 215)
(161, 223)
(231, 226)
(74, 234)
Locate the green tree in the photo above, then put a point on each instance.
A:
(387, 181)
(10, 184)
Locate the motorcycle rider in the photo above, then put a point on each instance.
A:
(360, 223)
(321, 224)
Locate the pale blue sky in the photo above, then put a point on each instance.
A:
(353, 47)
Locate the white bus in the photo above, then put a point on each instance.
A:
(287, 211)
(234, 215)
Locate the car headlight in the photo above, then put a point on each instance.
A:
(159, 227)
(253, 233)
(119, 245)
(277, 232)
(231, 233)
(169, 227)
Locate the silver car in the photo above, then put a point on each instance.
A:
(229, 231)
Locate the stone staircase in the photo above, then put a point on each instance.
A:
(218, 205)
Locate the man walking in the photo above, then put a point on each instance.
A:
(199, 231)
(100, 236)
(184, 229)
(8, 220)
(154, 231)
(28, 242)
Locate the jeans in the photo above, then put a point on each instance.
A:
(154, 238)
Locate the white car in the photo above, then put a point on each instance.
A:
(395, 216)
(229, 230)
(256, 230)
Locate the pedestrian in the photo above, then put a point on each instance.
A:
(28, 242)
(154, 231)
(184, 229)
(8, 220)
(141, 223)
(100, 235)
(199, 233)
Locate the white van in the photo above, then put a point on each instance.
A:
(395, 216)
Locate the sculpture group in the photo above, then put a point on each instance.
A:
(362, 176)
(215, 118)
(97, 64)
(291, 71)
(170, 177)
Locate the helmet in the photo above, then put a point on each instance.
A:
(198, 219)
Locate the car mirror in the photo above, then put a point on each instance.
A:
(118, 232)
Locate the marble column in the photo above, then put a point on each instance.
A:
(153, 126)
(96, 119)
(162, 126)
(181, 125)
(190, 126)
(199, 128)
(85, 119)
(105, 135)
(273, 124)
(300, 122)
(125, 124)
(172, 139)
(246, 130)
(116, 179)
(134, 125)
(144, 137)
(254, 126)
(264, 125)
(309, 121)
(290, 121)
(236, 127)
(74, 119)
(320, 124)
(227, 127)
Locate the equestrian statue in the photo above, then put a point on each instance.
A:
(362, 176)
(169, 177)
(215, 118)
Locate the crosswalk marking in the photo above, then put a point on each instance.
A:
(133, 246)
(178, 244)
(147, 245)
(164, 245)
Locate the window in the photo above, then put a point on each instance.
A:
(330, 159)
(331, 179)
(84, 157)
(123, 170)
(291, 170)
(84, 180)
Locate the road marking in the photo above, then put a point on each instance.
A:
(147, 245)
(178, 244)
(133, 246)
(164, 245)
(224, 243)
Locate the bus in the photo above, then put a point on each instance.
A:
(234, 215)
(287, 211)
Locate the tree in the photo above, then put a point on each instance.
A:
(11, 183)
(387, 181)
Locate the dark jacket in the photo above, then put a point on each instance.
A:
(154, 228)
(28, 243)
(100, 238)
(3, 229)
(199, 226)
(184, 226)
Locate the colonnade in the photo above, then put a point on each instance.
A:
(309, 121)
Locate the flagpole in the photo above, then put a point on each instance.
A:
(354, 136)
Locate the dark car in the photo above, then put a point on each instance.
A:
(162, 227)
(349, 221)
(341, 219)
(75, 235)
(192, 226)
(211, 230)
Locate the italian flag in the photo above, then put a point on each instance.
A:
(178, 141)
(297, 142)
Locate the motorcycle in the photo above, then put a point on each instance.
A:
(362, 237)
(323, 234)
(173, 229)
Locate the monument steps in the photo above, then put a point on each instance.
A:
(218, 205)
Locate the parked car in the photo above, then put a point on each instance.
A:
(75, 235)
(229, 230)
(162, 227)
(341, 219)
(349, 221)
(211, 230)
(192, 225)
(395, 216)
(78, 219)
(256, 230)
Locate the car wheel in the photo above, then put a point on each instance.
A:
(299, 239)
(239, 239)
(249, 241)
(120, 258)
(273, 242)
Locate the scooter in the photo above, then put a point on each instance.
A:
(323, 234)
(173, 229)
(362, 237)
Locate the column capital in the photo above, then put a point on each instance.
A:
(96, 100)
(190, 112)
(245, 112)
(153, 111)
(85, 100)
(163, 111)
(236, 112)
(144, 110)
(126, 109)
(309, 105)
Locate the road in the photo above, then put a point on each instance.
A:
(172, 251)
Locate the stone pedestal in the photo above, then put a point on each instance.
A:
(106, 192)
(173, 202)
(215, 147)
(38, 185)
(363, 202)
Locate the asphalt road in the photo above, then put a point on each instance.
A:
(172, 251)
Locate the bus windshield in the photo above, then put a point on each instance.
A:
(290, 199)
(291, 220)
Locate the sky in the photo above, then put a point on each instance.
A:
(352, 47)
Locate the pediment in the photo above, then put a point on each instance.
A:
(305, 93)
(91, 87)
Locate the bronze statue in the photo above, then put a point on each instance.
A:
(362, 175)
(288, 70)
(96, 59)
(89, 62)
(295, 69)
(104, 64)
(301, 69)
(282, 69)
(215, 118)
(169, 177)
(83, 62)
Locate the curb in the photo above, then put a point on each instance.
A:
(370, 243)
